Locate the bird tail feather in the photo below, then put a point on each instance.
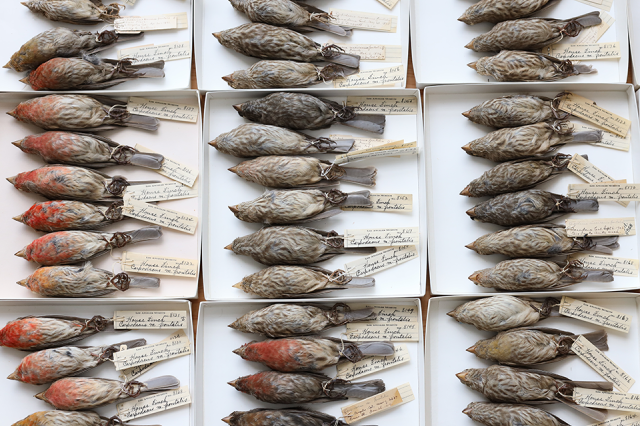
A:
(587, 136)
(361, 390)
(582, 205)
(377, 348)
(362, 175)
(584, 69)
(361, 283)
(346, 59)
(145, 234)
(144, 282)
(147, 159)
(597, 338)
(141, 122)
(357, 199)
(162, 383)
(330, 28)
(370, 122)
(588, 19)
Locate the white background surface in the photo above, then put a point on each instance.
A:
(634, 38)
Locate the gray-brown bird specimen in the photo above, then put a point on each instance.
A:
(538, 139)
(527, 346)
(291, 14)
(81, 12)
(281, 282)
(285, 74)
(519, 65)
(293, 245)
(288, 320)
(531, 33)
(528, 207)
(502, 10)
(495, 414)
(514, 111)
(299, 111)
(293, 172)
(268, 42)
(542, 240)
(537, 274)
(502, 312)
(68, 418)
(283, 417)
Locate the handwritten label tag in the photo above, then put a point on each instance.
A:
(609, 140)
(163, 110)
(133, 24)
(390, 4)
(602, 364)
(367, 52)
(161, 52)
(172, 169)
(134, 372)
(364, 143)
(386, 105)
(600, 4)
(581, 52)
(129, 320)
(586, 109)
(385, 237)
(160, 192)
(620, 266)
(153, 403)
(381, 260)
(386, 203)
(393, 323)
(393, 76)
(601, 227)
(364, 20)
(590, 173)
(160, 216)
(600, 399)
(378, 403)
(348, 370)
(593, 34)
(605, 191)
(390, 150)
(159, 265)
(177, 345)
(595, 314)
(624, 420)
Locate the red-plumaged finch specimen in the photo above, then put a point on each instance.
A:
(282, 417)
(66, 215)
(82, 12)
(494, 414)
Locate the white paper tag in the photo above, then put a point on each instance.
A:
(590, 173)
(612, 400)
(161, 52)
(386, 203)
(129, 2)
(384, 237)
(159, 265)
(620, 266)
(177, 345)
(581, 52)
(597, 360)
(624, 420)
(364, 143)
(132, 373)
(595, 314)
(364, 20)
(378, 403)
(393, 323)
(153, 403)
(160, 192)
(160, 216)
(595, 33)
(367, 52)
(601, 227)
(172, 169)
(389, 3)
(392, 76)
(609, 140)
(587, 109)
(605, 191)
(348, 370)
(381, 260)
(136, 320)
(390, 150)
(163, 110)
(133, 24)
(385, 105)
(600, 4)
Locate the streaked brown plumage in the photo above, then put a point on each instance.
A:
(514, 111)
(283, 417)
(494, 414)
(502, 10)
(81, 12)
(68, 418)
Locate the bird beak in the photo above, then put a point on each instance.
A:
(234, 209)
(452, 314)
(462, 376)
(18, 218)
(25, 80)
(467, 147)
(233, 325)
(23, 283)
(238, 108)
(12, 180)
(24, 3)
(214, 144)
(471, 246)
(13, 376)
(472, 349)
(238, 351)
(239, 285)
(12, 113)
(227, 420)
(233, 169)
(228, 79)
(229, 247)
(467, 411)
(233, 383)
(474, 277)
(470, 45)
(42, 397)
(467, 113)
(18, 143)
(473, 65)
(8, 65)
(22, 253)
(472, 212)
(217, 36)
(466, 192)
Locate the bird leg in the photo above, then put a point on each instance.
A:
(121, 281)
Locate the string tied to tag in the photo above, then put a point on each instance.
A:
(584, 243)
(105, 36)
(328, 388)
(571, 29)
(562, 127)
(565, 67)
(122, 154)
(333, 172)
(115, 420)
(560, 161)
(350, 351)
(112, 11)
(333, 239)
(114, 212)
(547, 306)
(555, 106)
(331, 50)
(133, 388)
(97, 323)
(572, 270)
(107, 354)
(320, 17)
(335, 196)
(339, 277)
(322, 144)
(117, 185)
(333, 315)
(118, 240)
(121, 281)
(344, 113)
(118, 112)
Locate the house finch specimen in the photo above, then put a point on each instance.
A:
(502, 312)
(268, 42)
(502, 10)
(33, 333)
(72, 183)
(531, 33)
(519, 65)
(543, 240)
(290, 14)
(89, 73)
(49, 365)
(312, 353)
(287, 320)
(257, 140)
(281, 282)
(275, 387)
(292, 245)
(533, 345)
(82, 281)
(528, 207)
(68, 418)
(290, 172)
(299, 111)
(80, 112)
(516, 385)
(492, 414)
(533, 140)
(517, 175)
(82, 393)
(537, 274)
(285, 74)
(63, 42)
(68, 247)
(283, 417)
(52, 216)
(81, 12)
(514, 111)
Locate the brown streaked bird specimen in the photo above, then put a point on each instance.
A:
(528, 207)
(495, 414)
(502, 10)
(514, 111)
(286, 74)
(268, 42)
(542, 240)
(527, 346)
(65, 215)
(502, 312)
(299, 111)
(531, 33)
(519, 65)
(258, 140)
(537, 274)
(81, 12)
(310, 353)
(281, 282)
(288, 320)
(69, 418)
(538, 139)
(283, 417)
(293, 245)
(292, 172)
(63, 42)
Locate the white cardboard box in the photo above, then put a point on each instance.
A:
(634, 39)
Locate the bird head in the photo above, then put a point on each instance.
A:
(480, 277)
(42, 396)
(480, 65)
(239, 80)
(234, 418)
(472, 377)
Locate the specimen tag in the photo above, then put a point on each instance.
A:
(624, 420)
(367, 52)
(386, 203)
(160, 216)
(364, 143)
(134, 372)
(393, 323)
(385, 105)
(600, 4)
(612, 400)
(364, 20)
(388, 150)
(378, 403)
(605, 191)
(348, 370)
(130, 2)
(177, 345)
(391, 76)
(590, 173)
(609, 140)
(134, 25)
(597, 360)
(161, 52)
(159, 265)
(179, 172)
(153, 403)
(162, 109)
(381, 260)
(601, 227)
(382, 237)
(160, 192)
(595, 314)
(581, 52)
(586, 109)
(389, 3)
(128, 320)
(593, 34)
(620, 266)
